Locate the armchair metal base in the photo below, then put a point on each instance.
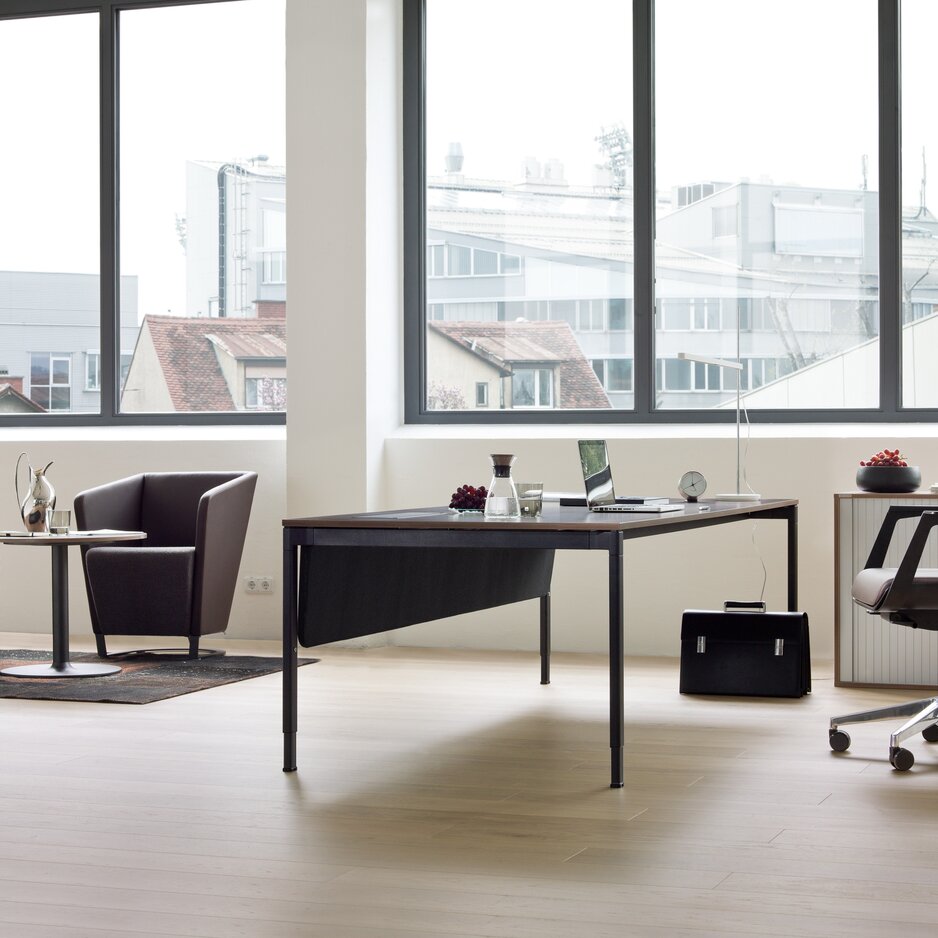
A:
(923, 719)
(191, 653)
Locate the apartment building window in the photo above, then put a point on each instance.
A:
(614, 374)
(620, 314)
(484, 263)
(752, 246)
(265, 393)
(590, 315)
(50, 380)
(458, 260)
(194, 229)
(275, 266)
(93, 369)
(509, 264)
(619, 374)
(532, 388)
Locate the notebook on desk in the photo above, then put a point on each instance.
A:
(600, 492)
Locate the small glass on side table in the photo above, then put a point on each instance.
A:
(60, 543)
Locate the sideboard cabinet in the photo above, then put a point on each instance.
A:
(868, 650)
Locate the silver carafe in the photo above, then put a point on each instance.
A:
(36, 507)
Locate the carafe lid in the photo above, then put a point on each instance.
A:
(502, 459)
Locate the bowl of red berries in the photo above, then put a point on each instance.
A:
(468, 498)
(888, 471)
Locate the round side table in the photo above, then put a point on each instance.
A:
(60, 543)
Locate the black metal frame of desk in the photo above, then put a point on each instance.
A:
(299, 534)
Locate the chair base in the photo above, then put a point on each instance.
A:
(923, 718)
(191, 653)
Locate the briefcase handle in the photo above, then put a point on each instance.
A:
(733, 605)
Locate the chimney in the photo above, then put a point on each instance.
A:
(271, 309)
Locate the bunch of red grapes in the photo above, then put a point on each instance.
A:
(468, 497)
(887, 457)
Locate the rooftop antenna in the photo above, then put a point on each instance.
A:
(922, 209)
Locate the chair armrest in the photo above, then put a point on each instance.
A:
(220, 531)
(894, 515)
(114, 505)
(902, 592)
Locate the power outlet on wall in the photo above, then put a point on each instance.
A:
(258, 584)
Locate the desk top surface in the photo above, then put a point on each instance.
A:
(553, 518)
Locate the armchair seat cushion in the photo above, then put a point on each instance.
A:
(871, 585)
(138, 591)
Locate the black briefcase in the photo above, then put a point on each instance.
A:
(745, 651)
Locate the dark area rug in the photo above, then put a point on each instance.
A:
(143, 679)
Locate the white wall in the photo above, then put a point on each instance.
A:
(88, 457)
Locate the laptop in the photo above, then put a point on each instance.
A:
(600, 492)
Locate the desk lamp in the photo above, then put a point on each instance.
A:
(739, 495)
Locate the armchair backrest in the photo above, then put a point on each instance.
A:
(114, 505)
(169, 509)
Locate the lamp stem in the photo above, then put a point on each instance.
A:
(738, 479)
(739, 378)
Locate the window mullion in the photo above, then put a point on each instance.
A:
(110, 239)
(890, 209)
(643, 34)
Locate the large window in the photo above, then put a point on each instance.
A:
(683, 193)
(160, 312)
(527, 229)
(919, 221)
(755, 215)
(50, 307)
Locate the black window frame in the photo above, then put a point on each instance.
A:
(643, 138)
(109, 136)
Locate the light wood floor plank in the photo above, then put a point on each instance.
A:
(447, 793)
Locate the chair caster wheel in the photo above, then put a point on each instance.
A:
(902, 760)
(930, 734)
(839, 740)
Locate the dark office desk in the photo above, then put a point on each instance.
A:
(345, 576)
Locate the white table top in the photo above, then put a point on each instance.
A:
(73, 537)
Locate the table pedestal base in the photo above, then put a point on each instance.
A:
(69, 669)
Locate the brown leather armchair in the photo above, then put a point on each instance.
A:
(905, 595)
(181, 580)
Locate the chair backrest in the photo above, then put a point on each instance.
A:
(170, 504)
(907, 595)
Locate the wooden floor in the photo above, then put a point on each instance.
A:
(447, 793)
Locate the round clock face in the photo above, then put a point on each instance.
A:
(692, 485)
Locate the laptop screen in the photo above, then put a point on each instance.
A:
(597, 476)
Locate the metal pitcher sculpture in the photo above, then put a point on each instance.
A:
(36, 507)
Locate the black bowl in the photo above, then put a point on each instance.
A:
(888, 478)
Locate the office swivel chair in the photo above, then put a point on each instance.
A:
(907, 596)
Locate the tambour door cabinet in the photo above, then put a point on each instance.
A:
(868, 650)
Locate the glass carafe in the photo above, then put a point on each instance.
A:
(501, 503)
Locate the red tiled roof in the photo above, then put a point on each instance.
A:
(22, 403)
(551, 342)
(187, 356)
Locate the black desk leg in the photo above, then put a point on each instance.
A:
(616, 663)
(545, 639)
(289, 652)
(793, 559)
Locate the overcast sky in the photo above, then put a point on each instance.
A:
(745, 89)
(200, 82)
